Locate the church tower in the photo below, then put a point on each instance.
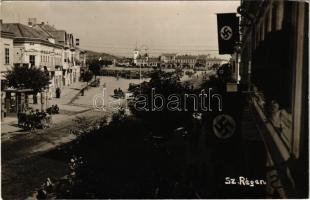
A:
(136, 54)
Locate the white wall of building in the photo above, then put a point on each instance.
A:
(6, 43)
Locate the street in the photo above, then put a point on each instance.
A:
(154, 100)
(28, 159)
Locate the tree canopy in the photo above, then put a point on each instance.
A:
(95, 65)
(22, 76)
(87, 76)
(161, 84)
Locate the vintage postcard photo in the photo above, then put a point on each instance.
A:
(154, 99)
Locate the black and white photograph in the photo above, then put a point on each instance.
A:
(154, 99)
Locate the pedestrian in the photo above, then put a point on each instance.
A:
(58, 92)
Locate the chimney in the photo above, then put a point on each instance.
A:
(32, 21)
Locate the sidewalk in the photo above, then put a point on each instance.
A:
(68, 93)
(9, 124)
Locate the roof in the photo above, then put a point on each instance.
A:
(23, 31)
(46, 27)
(41, 30)
(6, 34)
(51, 31)
(203, 56)
(59, 36)
(168, 54)
(26, 33)
(186, 57)
(216, 59)
(152, 59)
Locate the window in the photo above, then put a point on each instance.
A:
(7, 56)
(32, 60)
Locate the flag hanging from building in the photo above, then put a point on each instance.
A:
(228, 32)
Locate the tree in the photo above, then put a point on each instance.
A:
(164, 120)
(22, 76)
(179, 72)
(87, 76)
(95, 66)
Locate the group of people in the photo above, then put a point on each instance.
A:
(119, 93)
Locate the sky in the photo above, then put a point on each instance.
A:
(117, 27)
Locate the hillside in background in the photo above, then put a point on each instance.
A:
(96, 55)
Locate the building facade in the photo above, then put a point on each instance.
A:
(136, 54)
(211, 61)
(37, 50)
(142, 60)
(71, 62)
(154, 62)
(42, 46)
(274, 65)
(6, 62)
(186, 61)
(173, 60)
(6, 51)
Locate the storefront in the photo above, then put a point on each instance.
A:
(14, 101)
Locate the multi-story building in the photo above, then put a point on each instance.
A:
(211, 61)
(186, 61)
(6, 62)
(6, 51)
(201, 61)
(71, 62)
(154, 62)
(142, 60)
(42, 46)
(36, 49)
(168, 59)
(124, 62)
(274, 64)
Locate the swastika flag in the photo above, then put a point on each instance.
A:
(228, 32)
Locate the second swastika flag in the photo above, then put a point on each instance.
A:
(228, 32)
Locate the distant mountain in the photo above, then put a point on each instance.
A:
(96, 55)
